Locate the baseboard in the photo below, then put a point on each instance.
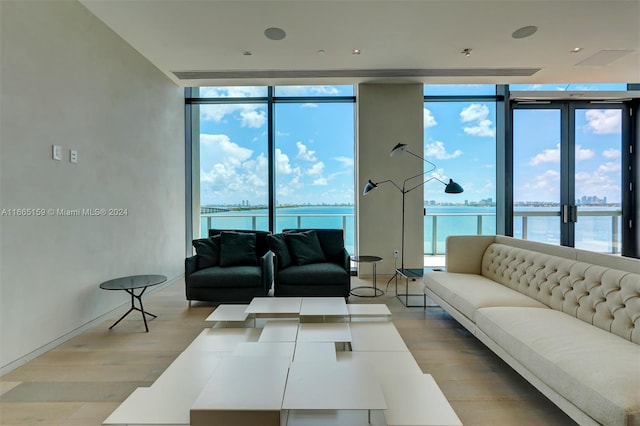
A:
(5, 369)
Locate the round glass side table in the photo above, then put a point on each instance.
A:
(376, 291)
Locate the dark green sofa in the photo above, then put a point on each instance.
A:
(230, 266)
(310, 262)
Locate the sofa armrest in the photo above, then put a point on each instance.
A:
(266, 266)
(464, 253)
(346, 260)
(190, 265)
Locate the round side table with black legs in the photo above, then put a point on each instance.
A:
(130, 284)
(373, 260)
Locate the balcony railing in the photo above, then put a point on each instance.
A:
(531, 225)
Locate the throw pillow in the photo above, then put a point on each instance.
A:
(208, 252)
(305, 247)
(278, 245)
(238, 249)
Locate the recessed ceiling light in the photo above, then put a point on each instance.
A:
(247, 53)
(321, 52)
(525, 32)
(466, 52)
(356, 52)
(576, 49)
(275, 33)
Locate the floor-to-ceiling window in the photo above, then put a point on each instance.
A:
(272, 158)
(314, 152)
(568, 181)
(460, 139)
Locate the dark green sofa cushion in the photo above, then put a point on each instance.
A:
(331, 241)
(305, 247)
(278, 245)
(314, 274)
(207, 252)
(238, 249)
(229, 277)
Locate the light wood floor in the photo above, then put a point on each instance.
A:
(83, 380)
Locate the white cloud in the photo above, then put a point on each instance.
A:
(282, 163)
(546, 156)
(253, 119)
(482, 128)
(429, 119)
(611, 153)
(346, 162)
(476, 115)
(604, 122)
(320, 181)
(553, 155)
(474, 112)
(306, 90)
(437, 150)
(223, 148)
(232, 92)
(250, 115)
(309, 105)
(583, 154)
(316, 169)
(234, 175)
(609, 167)
(304, 153)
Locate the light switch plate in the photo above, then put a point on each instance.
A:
(57, 152)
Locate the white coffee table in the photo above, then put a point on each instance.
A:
(332, 386)
(279, 331)
(323, 307)
(338, 332)
(243, 390)
(274, 307)
(229, 314)
(368, 311)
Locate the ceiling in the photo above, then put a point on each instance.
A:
(205, 42)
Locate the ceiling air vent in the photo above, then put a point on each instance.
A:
(366, 73)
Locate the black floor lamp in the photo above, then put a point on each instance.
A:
(450, 188)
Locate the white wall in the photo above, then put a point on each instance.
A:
(67, 79)
(388, 114)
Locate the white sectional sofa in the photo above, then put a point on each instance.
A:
(567, 320)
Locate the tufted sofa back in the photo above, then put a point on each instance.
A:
(605, 297)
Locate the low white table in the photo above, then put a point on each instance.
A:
(229, 313)
(332, 386)
(368, 311)
(337, 332)
(323, 307)
(275, 307)
(243, 390)
(280, 331)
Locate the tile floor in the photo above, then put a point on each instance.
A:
(83, 380)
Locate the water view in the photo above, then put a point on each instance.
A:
(599, 230)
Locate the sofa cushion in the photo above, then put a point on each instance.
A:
(278, 245)
(305, 247)
(237, 249)
(232, 276)
(207, 252)
(331, 241)
(597, 371)
(320, 274)
(468, 292)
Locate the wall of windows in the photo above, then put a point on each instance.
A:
(282, 157)
(272, 158)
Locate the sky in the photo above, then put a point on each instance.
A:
(314, 145)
